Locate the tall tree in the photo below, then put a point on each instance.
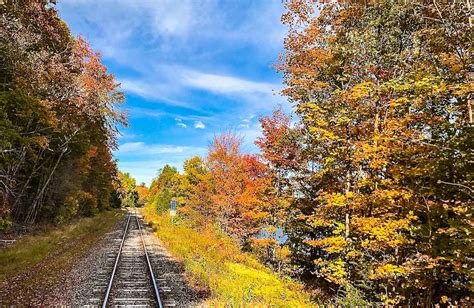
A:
(129, 194)
(383, 91)
(59, 108)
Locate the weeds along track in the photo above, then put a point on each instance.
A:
(128, 278)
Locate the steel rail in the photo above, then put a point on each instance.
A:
(109, 287)
(152, 276)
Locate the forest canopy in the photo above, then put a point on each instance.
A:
(59, 118)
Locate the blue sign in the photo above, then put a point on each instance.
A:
(173, 205)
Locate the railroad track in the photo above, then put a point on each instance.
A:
(128, 279)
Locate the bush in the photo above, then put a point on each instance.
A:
(68, 211)
(87, 203)
(5, 224)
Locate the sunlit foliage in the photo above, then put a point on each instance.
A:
(381, 168)
(215, 264)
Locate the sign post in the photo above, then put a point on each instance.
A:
(173, 210)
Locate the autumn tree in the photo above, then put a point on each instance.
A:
(281, 147)
(383, 92)
(59, 111)
(143, 194)
(164, 188)
(236, 186)
(128, 192)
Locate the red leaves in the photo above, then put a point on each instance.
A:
(279, 142)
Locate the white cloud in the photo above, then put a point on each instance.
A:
(199, 124)
(225, 84)
(141, 148)
(127, 136)
(143, 160)
(249, 118)
(180, 123)
(250, 134)
(151, 89)
(144, 112)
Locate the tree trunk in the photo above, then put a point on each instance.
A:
(30, 219)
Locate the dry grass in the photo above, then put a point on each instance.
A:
(35, 262)
(214, 262)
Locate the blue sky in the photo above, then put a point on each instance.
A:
(190, 69)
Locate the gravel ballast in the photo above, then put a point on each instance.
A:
(77, 286)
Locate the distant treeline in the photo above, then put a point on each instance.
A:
(368, 196)
(58, 120)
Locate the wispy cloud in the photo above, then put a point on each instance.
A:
(222, 84)
(199, 125)
(143, 160)
(128, 136)
(180, 123)
(144, 112)
(152, 90)
(206, 62)
(141, 148)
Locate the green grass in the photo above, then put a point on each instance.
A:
(35, 261)
(214, 262)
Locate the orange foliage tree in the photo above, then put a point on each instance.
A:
(383, 194)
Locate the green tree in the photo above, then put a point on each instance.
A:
(128, 191)
(164, 188)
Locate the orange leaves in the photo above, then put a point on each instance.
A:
(229, 187)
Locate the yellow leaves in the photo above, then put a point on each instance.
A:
(333, 270)
(380, 233)
(444, 299)
(374, 152)
(411, 216)
(323, 134)
(459, 210)
(335, 199)
(388, 271)
(353, 254)
(463, 89)
(452, 61)
(360, 91)
(401, 101)
(41, 141)
(316, 222)
(334, 244)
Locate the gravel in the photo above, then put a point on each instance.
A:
(77, 286)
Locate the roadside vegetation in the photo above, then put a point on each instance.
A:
(214, 263)
(34, 263)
